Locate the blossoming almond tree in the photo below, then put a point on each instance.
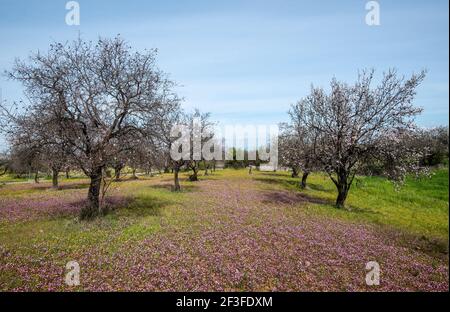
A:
(296, 146)
(96, 96)
(354, 123)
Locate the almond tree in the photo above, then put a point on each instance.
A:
(296, 147)
(26, 161)
(35, 135)
(5, 163)
(353, 123)
(200, 128)
(96, 95)
(436, 140)
(165, 141)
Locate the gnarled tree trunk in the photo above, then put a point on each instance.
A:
(304, 178)
(134, 176)
(343, 186)
(55, 173)
(92, 208)
(342, 196)
(194, 175)
(117, 170)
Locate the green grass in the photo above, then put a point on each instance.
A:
(148, 206)
(419, 207)
(11, 178)
(8, 178)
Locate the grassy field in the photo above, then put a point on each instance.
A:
(229, 231)
(420, 206)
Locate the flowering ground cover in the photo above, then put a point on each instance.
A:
(229, 231)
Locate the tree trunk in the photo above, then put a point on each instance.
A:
(176, 180)
(342, 196)
(67, 174)
(343, 187)
(92, 208)
(294, 173)
(55, 173)
(36, 177)
(304, 178)
(194, 176)
(134, 174)
(117, 171)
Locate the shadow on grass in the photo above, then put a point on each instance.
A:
(273, 174)
(283, 197)
(73, 186)
(317, 187)
(286, 183)
(292, 183)
(293, 195)
(169, 187)
(143, 206)
(434, 246)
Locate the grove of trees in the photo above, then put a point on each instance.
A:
(97, 106)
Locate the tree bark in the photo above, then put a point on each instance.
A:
(206, 167)
(304, 178)
(67, 174)
(343, 186)
(134, 174)
(194, 175)
(176, 180)
(92, 208)
(36, 177)
(117, 171)
(294, 173)
(342, 196)
(55, 173)
(117, 175)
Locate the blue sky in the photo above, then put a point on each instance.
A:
(247, 61)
